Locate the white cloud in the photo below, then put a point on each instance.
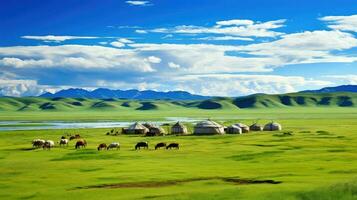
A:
(73, 57)
(223, 38)
(20, 63)
(350, 79)
(242, 84)
(173, 65)
(139, 3)
(305, 47)
(231, 27)
(236, 22)
(141, 31)
(126, 27)
(53, 38)
(125, 41)
(153, 59)
(342, 23)
(117, 44)
(18, 87)
(297, 48)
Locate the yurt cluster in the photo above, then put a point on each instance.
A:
(207, 127)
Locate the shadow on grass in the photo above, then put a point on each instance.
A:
(156, 184)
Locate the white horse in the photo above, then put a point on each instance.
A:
(48, 144)
(63, 142)
(114, 145)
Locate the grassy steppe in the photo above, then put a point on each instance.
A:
(324, 100)
(319, 161)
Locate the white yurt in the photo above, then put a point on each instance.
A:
(208, 127)
(233, 129)
(256, 127)
(178, 128)
(136, 128)
(245, 128)
(272, 126)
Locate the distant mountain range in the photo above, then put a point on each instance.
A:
(102, 93)
(342, 88)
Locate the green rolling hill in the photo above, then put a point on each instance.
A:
(303, 99)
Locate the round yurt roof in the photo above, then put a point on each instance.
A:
(207, 123)
(136, 126)
(272, 124)
(240, 125)
(234, 127)
(256, 125)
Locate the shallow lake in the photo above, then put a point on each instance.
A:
(28, 125)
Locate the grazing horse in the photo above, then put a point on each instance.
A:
(102, 146)
(37, 143)
(48, 144)
(114, 145)
(159, 145)
(173, 145)
(80, 143)
(63, 142)
(77, 136)
(145, 145)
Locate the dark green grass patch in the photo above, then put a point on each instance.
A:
(253, 156)
(84, 154)
(346, 191)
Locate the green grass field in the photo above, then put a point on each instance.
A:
(318, 161)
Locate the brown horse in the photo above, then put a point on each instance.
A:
(102, 146)
(80, 143)
(159, 145)
(77, 136)
(173, 145)
(144, 145)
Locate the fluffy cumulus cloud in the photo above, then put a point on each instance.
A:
(243, 84)
(19, 87)
(173, 65)
(117, 44)
(243, 28)
(343, 79)
(73, 57)
(153, 59)
(342, 23)
(227, 68)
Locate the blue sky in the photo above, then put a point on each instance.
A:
(227, 47)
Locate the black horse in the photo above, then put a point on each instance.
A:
(173, 145)
(140, 145)
(159, 145)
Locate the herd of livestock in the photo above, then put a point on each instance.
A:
(207, 127)
(81, 143)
